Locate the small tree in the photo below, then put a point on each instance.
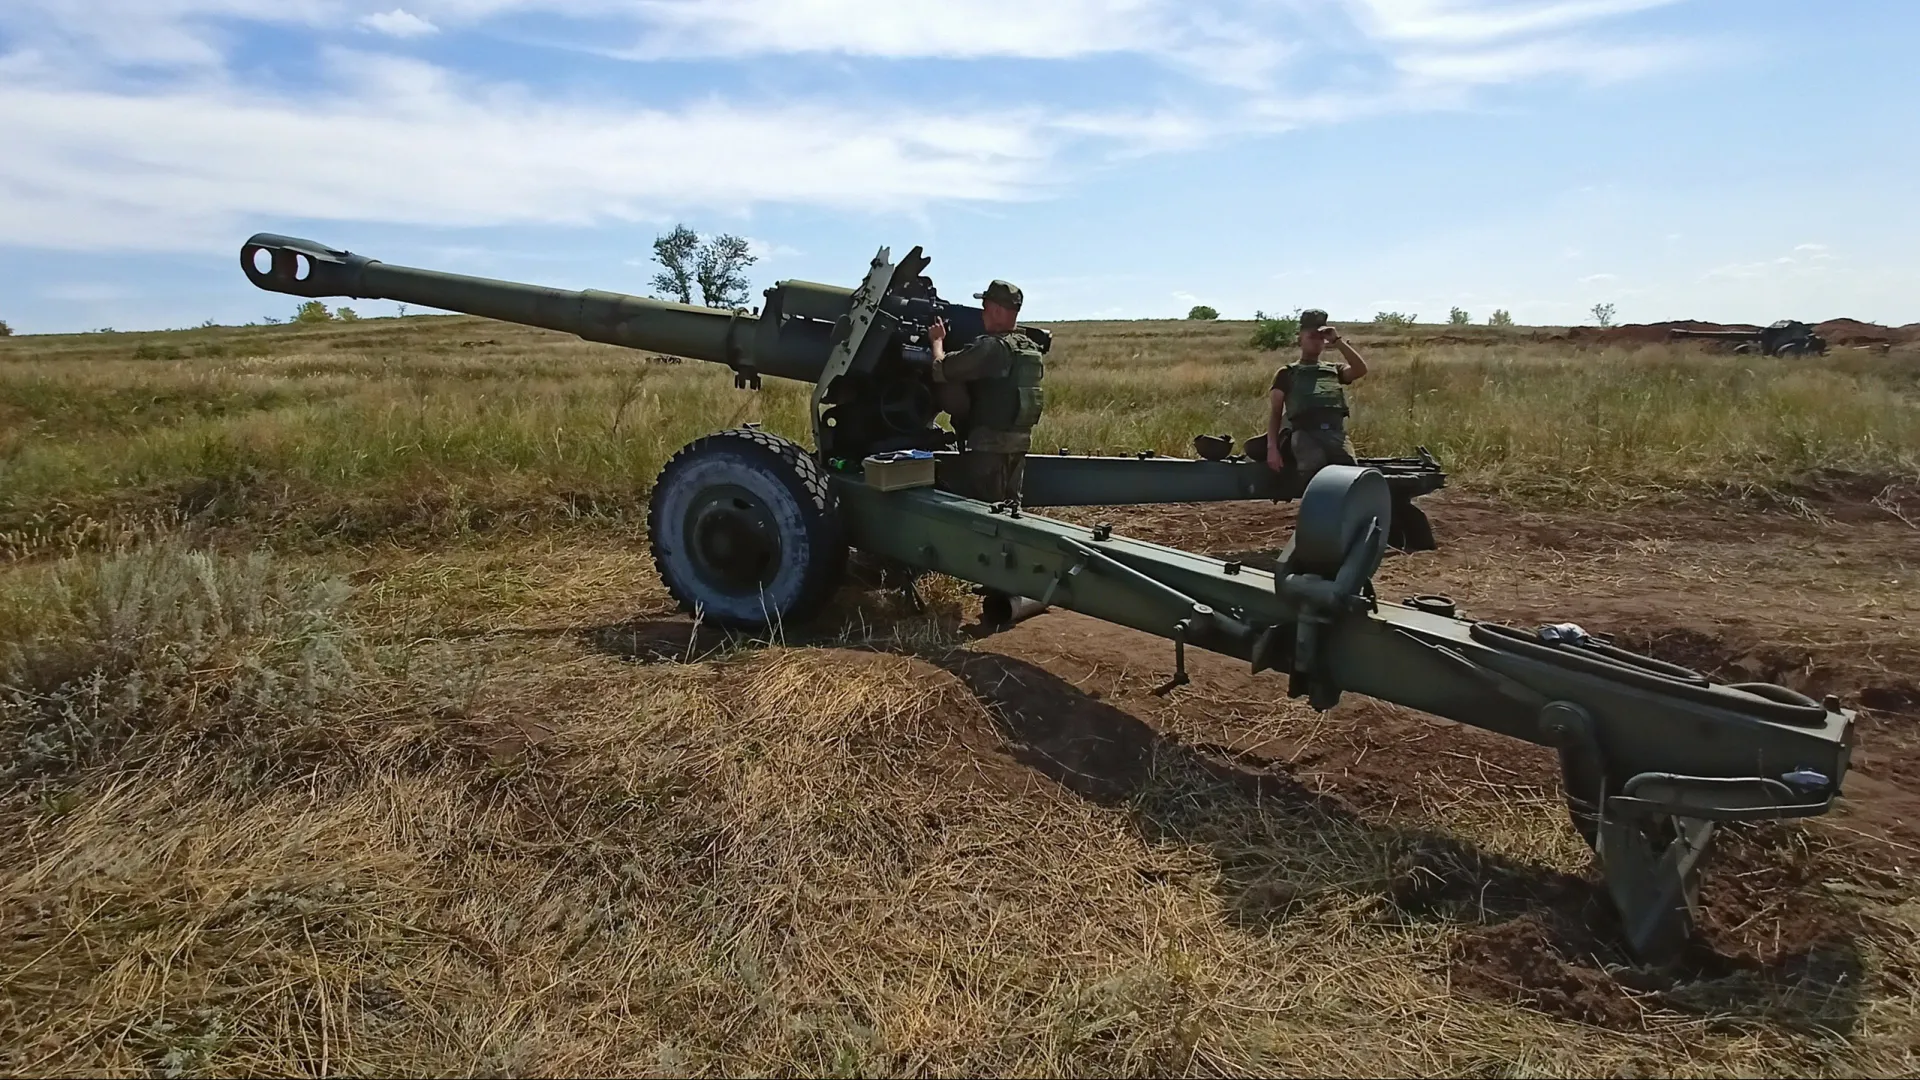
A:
(1500, 317)
(1603, 314)
(1202, 311)
(715, 265)
(719, 269)
(1459, 317)
(1394, 318)
(1275, 331)
(5, 330)
(313, 311)
(676, 252)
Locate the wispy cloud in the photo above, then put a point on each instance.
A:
(768, 250)
(399, 23)
(173, 34)
(1565, 56)
(904, 28)
(129, 123)
(89, 292)
(1806, 259)
(1473, 22)
(96, 168)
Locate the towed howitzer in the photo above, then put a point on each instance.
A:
(752, 530)
(865, 350)
(1786, 337)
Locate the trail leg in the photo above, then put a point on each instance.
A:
(1651, 867)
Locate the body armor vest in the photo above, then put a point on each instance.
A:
(1014, 401)
(1315, 391)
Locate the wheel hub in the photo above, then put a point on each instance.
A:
(733, 540)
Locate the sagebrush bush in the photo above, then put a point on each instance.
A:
(1275, 331)
(95, 651)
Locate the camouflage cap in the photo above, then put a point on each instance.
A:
(1003, 293)
(1312, 319)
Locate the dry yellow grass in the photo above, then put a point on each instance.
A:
(542, 851)
(434, 428)
(316, 802)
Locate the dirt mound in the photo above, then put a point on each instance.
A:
(1696, 324)
(1855, 332)
(1646, 333)
(1772, 944)
(1529, 961)
(1842, 332)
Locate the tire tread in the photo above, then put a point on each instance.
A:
(820, 510)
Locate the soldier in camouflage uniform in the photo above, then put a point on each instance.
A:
(992, 390)
(1310, 398)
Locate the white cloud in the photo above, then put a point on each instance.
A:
(190, 167)
(1467, 22)
(1817, 261)
(186, 161)
(902, 28)
(399, 23)
(164, 33)
(86, 292)
(1594, 278)
(1569, 56)
(767, 250)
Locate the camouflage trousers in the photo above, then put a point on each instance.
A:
(1317, 445)
(988, 476)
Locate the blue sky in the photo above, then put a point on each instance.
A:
(1722, 159)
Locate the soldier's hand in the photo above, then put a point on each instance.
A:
(1273, 456)
(938, 331)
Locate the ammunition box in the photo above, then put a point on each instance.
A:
(899, 469)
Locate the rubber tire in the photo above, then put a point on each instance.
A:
(795, 490)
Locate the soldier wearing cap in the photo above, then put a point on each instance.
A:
(1310, 398)
(992, 390)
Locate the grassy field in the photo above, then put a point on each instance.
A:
(433, 427)
(338, 734)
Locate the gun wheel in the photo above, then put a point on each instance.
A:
(745, 530)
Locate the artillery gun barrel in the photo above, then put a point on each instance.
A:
(794, 348)
(1727, 334)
